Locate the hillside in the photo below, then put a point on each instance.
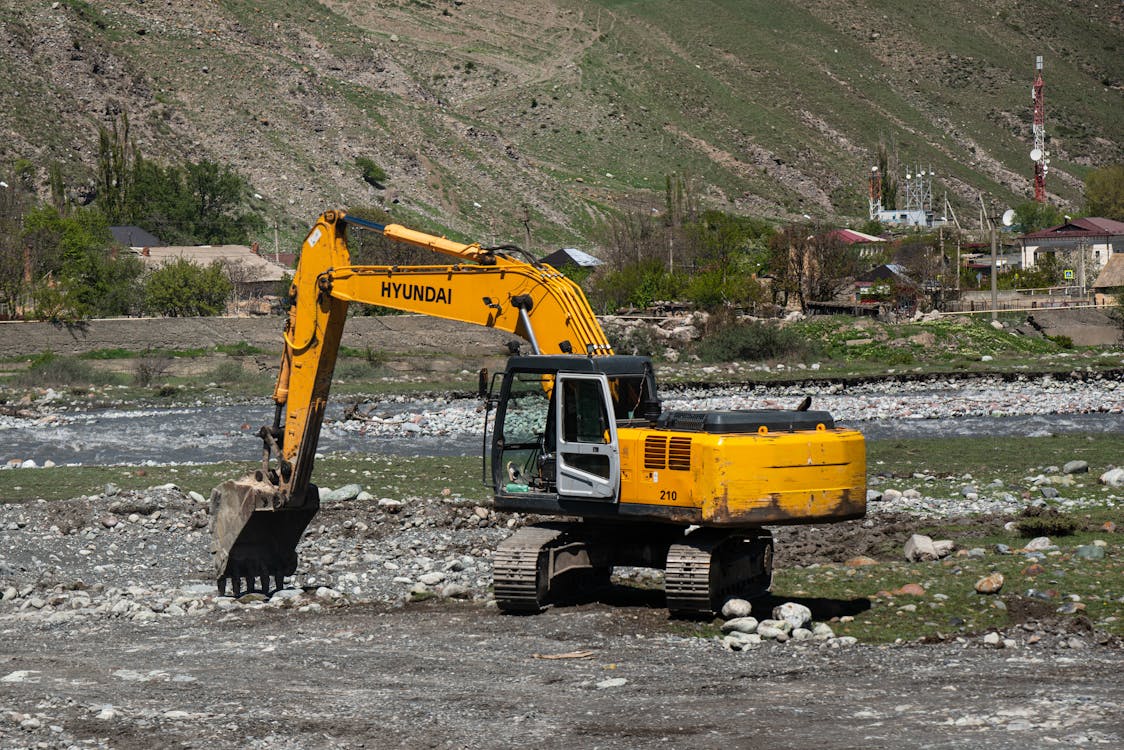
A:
(485, 113)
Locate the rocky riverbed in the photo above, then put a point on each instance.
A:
(51, 429)
(116, 638)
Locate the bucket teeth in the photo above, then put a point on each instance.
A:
(267, 583)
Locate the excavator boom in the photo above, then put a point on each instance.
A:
(258, 519)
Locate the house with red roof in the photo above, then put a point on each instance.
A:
(1092, 240)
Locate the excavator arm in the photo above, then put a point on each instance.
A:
(258, 520)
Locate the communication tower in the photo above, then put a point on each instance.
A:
(875, 193)
(1039, 155)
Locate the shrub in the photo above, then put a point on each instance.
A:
(1045, 520)
(640, 340)
(230, 371)
(50, 369)
(183, 289)
(150, 366)
(750, 341)
(373, 174)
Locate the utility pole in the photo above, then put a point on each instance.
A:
(994, 269)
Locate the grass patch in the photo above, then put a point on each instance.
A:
(241, 349)
(1007, 459)
(950, 604)
(49, 369)
(381, 475)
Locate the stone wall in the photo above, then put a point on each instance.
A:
(407, 334)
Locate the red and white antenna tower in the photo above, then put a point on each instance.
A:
(875, 192)
(1038, 154)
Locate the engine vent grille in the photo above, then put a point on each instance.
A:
(661, 453)
(655, 452)
(679, 454)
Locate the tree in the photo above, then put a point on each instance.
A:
(887, 168)
(1104, 192)
(12, 282)
(1033, 216)
(808, 261)
(74, 272)
(182, 288)
(117, 159)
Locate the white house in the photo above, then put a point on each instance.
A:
(1090, 241)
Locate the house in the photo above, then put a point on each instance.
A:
(888, 284)
(130, 236)
(868, 244)
(1110, 282)
(253, 276)
(570, 256)
(1082, 244)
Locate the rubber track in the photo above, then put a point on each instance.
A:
(515, 569)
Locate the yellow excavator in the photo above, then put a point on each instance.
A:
(578, 434)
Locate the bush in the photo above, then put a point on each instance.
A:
(230, 371)
(48, 369)
(184, 289)
(1053, 524)
(750, 341)
(150, 366)
(640, 340)
(373, 174)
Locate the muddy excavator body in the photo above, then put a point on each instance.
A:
(579, 433)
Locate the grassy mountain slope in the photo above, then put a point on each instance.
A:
(486, 114)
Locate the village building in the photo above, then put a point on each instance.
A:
(570, 256)
(256, 279)
(1109, 283)
(1083, 245)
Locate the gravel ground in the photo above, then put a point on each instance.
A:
(115, 638)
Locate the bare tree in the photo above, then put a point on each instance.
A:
(12, 263)
(812, 263)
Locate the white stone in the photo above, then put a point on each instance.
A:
(734, 608)
(920, 547)
(796, 615)
(823, 632)
(740, 625)
(1113, 477)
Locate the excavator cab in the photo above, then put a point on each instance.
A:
(555, 437)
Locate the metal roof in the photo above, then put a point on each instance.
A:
(253, 267)
(1091, 226)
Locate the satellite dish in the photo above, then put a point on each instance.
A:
(1036, 154)
(1008, 217)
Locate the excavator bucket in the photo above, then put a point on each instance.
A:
(254, 543)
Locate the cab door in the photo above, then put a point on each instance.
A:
(587, 454)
